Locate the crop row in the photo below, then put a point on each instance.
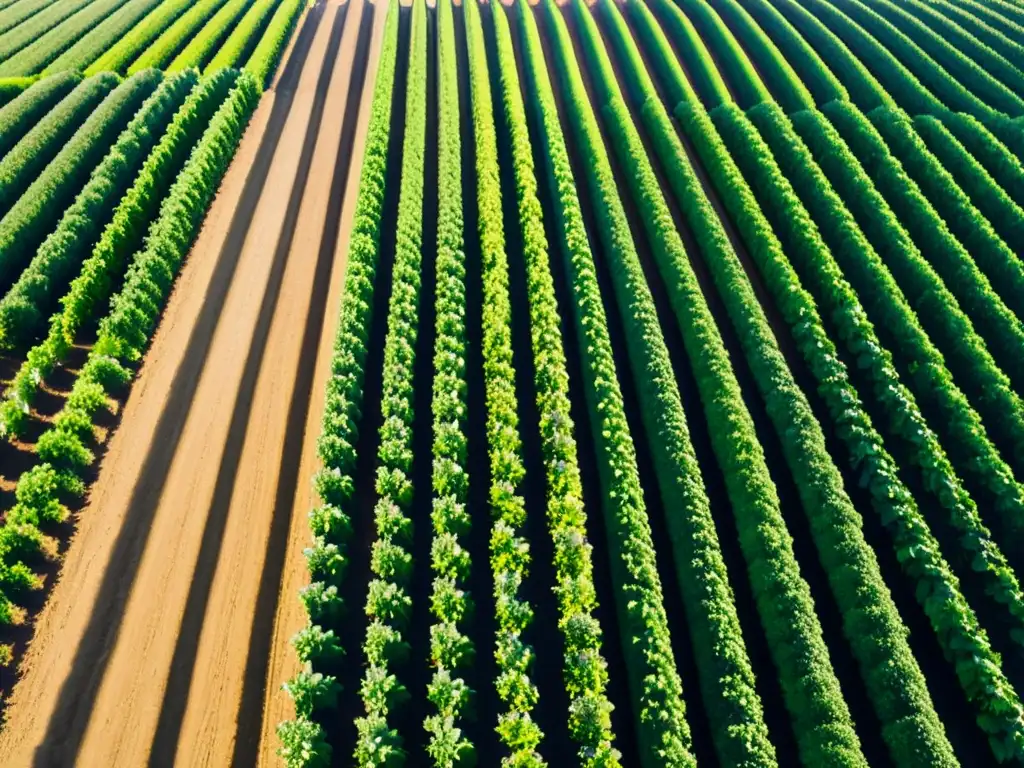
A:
(37, 25)
(120, 238)
(176, 36)
(88, 47)
(302, 739)
(23, 112)
(201, 47)
(509, 550)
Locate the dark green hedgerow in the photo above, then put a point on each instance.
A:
(821, 720)
(303, 742)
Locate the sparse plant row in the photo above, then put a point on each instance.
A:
(176, 36)
(987, 149)
(976, 184)
(509, 550)
(263, 61)
(963, 435)
(727, 679)
(30, 106)
(910, 725)
(37, 25)
(863, 87)
(26, 159)
(24, 308)
(244, 36)
(812, 70)
(27, 223)
(201, 47)
(744, 81)
(654, 682)
(585, 671)
(34, 57)
(780, 77)
(986, 276)
(707, 80)
(388, 602)
(87, 47)
(14, 13)
(123, 336)
(821, 720)
(971, 363)
(121, 237)
(303, 742)
(872, 625)
(452, 651)
(127, 49)
(971, 24)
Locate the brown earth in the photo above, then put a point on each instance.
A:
(165, 639)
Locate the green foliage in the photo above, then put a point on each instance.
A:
(26, 305)
(176, 36)
(263, 61)
(821, 719)
(987, 149)
(692, 50)
(567, 521)
(201, 47)
(813, 71)
(898, 242)
(27, 223)
(124, 51)
(303, 744)
(24, 162)
(15, 13)
(778, 74)
(23, 112)
(243, 37)
(90, 46)
(34, 27)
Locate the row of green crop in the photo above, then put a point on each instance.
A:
(388, 603)
(21, 114)
(203, 45)
(12, 87)
(243, 37)
(263, 61)
(31, 217)
(509, 550)
(962, 639)
(14, 13)
(127, 49)
(91, 45)
(654, 682)
(122, 337)
(821, 719)
(24, 308)
(176, 36)
(452, 652)
(972, 24)
(584, 668)
(120, 238)
(302, 739)
(700, 65)
(1005, 167)
(37, 25)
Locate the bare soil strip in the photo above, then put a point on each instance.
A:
(157, 641)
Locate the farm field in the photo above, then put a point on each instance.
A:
(600, 382)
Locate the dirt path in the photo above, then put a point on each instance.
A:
(154, 646)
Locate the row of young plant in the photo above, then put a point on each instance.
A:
(1006, 168)
(778, 74)
(14, 12)
(263, 61)
(27, 304)
(91, 45)
(977, 265)
(26, 159)
(814, 73)
(302, 739)
(243, 38)
(872, 624)
(33, 58)
(962, 26)
(388, 603)
(23, 112)
(452, 652)
(821, 719)
(123, 335)
(989, 389)
(509, 550)
(35, 26)
(962, 639)
(726, 676)
(707, 80)
(657, 705)
(176, 36)
(204, 43)
(585, 671)
(31, 217)
(121, 237)
(138, 38)
(966, 182)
